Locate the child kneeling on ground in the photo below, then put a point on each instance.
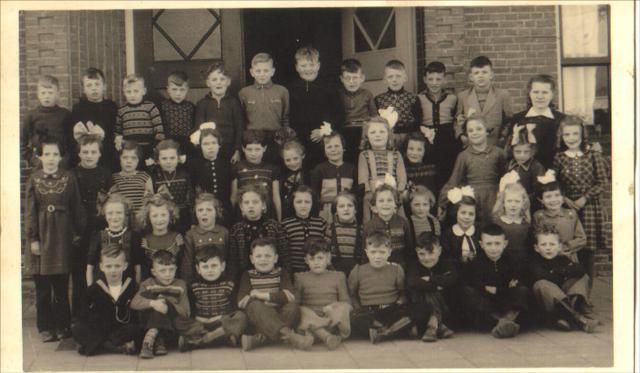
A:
(266, 295)
(323, 295)
(215, 314)
(377, 293)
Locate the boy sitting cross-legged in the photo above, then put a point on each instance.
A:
(162, 298)
(215, 314)
(266, 295)
(377, 292)
(559, 284)
(323, 295)
(108, 323)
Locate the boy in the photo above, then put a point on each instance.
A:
(224, 110)
(215, 314)
(266, 295)
(559, 285)
(405, 103)
(483, 98)
(138, 119)
(438, 114)
(177, 113)
(46, 120)
(358, 105)
(428, 280)
(323, 296)
(94, 107)
(110, 324)
(265, 104)
(162, 298)
(377, 293)
(312, 102)
(493, 290)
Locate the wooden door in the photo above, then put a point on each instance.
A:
(377, 35)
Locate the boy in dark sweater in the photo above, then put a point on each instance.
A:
(162, 298)
(559, 284)
(178, 114)
(378, 293)
(266, 295)
(95, 108)
(428, 279)
(212, 294)
(108, 323)
(493, 290)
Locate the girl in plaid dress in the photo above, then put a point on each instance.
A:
(583, 174)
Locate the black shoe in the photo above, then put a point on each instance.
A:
(64, 333)
(161, 348)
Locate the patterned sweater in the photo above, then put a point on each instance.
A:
(406, 104)
(141, 122)
(178, 119)
(212, 298)
(277, 283)
(398, 229)
(244, 232)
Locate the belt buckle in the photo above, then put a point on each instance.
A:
(51, 208)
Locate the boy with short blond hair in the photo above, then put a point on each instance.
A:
(138, 119)
(178, 113)
(46, 120)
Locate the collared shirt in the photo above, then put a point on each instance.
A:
(437, 110)
(358, 106)
(266, 106)
(508, 220)
(574, 153)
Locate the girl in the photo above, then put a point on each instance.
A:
(419, 172)
(522, 147)
(292, 154)
(345, 234)
(254, 224)
(300, 228)
(377, 160)
(158, 214)
(542, 114)
(54, 218)
(117, 212)
(480, 166)
(133, 184)
(583, 174)
(420, 201)
(512, 213)
(211, 173)
(333, 176)
(384, 203)
(461, 241)
(208, 232)
(175, 178)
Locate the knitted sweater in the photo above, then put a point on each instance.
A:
(298, 232)
(370, 286)
(316, 290)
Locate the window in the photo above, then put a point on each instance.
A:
(186, 34)
(586, 61)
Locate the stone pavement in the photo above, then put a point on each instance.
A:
(533, 348)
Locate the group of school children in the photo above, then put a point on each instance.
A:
(183, 223)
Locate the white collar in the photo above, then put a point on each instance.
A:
(545, 113)
(457, 230)
(508, 220)
(574, 153)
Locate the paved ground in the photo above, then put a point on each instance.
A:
(536, 348)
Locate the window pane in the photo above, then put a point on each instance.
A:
(586, 94)
(585, 31)
(177, 34)
(374, 29)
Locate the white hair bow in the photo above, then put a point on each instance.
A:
(455, 195)
(548, 177)
(510, 177)
(195, 137)
(387, 180)
(531, 138)
(325, 129)
(390, 114)
(81, 129)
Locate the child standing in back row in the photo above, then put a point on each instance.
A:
(178, 113)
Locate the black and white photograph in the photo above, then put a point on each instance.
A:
(215, 186)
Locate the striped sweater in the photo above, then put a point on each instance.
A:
(212, 298)
(132, 187)
(141, 123)
(346, 245)
(277, 283)
(298, 231)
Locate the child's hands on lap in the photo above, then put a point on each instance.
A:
(159, 305)
(35, 248)
(258, 294)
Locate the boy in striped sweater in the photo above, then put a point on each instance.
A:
(215, 314)
(266, 295)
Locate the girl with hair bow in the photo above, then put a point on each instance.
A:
(461, 240)
(522, 148)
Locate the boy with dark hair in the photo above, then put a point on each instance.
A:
(429, 279)
(212, 293)
(484, 99)
(559, 284)
(108, 323)
(493, 289)
(94, 107)
(378, 293)
(358, 105)
(438, 115)
(178, 114)
(161, 298)
(266, 295)
(323, 296)
(405, 103)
